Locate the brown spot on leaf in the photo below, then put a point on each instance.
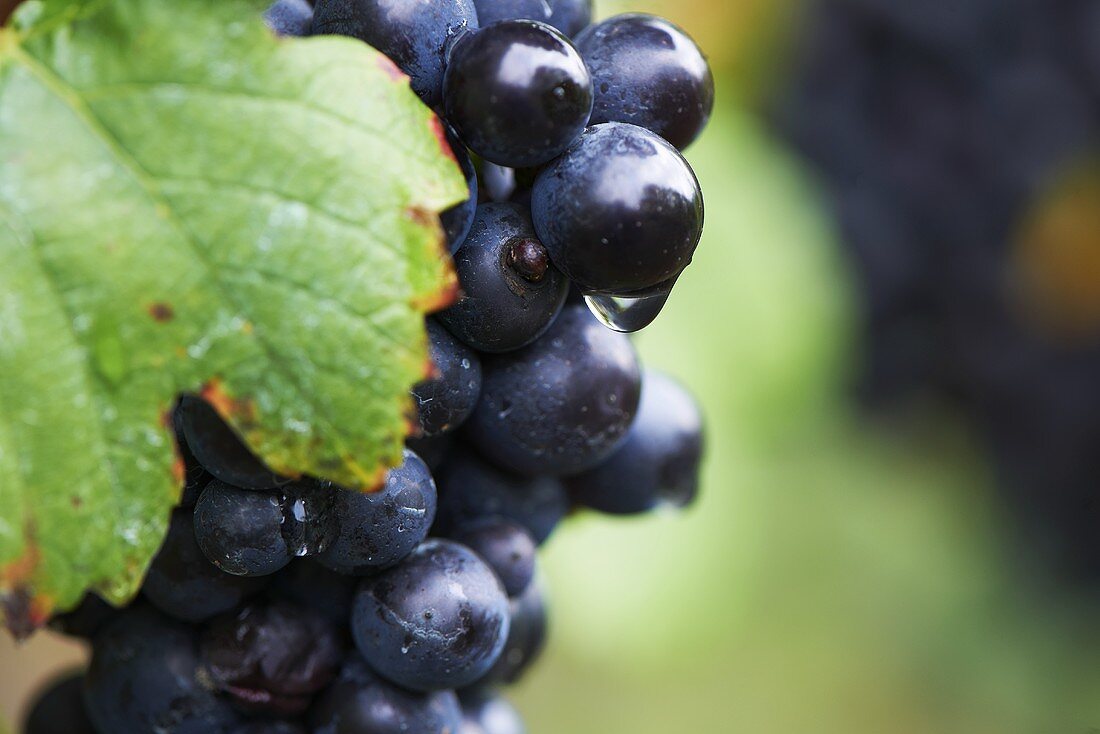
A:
(447, 295)
(179, 467)
(440, 133)
(161, 311)
(76, 502)
(243, 410)
(23, 612)
(17, 572)
(391, 69)
(422, 217)
(6, 8)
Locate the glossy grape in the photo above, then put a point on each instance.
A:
(436, 621)
(240, 531)
(444, 402)
(621, 211)
(377, 529)
(511, 293)
(658, 462)
(648, 72)
(517, 92)
(415, 35)
(561, 405)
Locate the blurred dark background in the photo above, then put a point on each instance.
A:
(894, 325)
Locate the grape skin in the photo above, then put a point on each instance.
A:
(437, 621)
(376, 530)
(621, 211)
(658, 463)
(517, 92)
(560, 405)
(502, 308)
(648, 72)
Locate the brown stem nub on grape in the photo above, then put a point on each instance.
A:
(528, 258)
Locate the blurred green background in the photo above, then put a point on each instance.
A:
(838, 574)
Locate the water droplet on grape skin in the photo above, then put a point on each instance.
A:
(627, 314)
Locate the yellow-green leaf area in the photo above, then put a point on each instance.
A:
(188, 203)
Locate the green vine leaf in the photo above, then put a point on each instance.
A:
(188, 204)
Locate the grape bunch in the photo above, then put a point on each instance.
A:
(288, 604)
(957, 140)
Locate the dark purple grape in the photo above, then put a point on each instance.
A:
(414, 35)
(511, 293)
(360, 702)
(219, 450)
(436, 621)
(506, 546)
(659, 460)
(248, 533)
(471, 489)
(443, 403)
(59, 708)
(648, 72)
(272, 658)
(146, 677)
(240, 530)
(184, 584)
(378, 529)
(560, 405)
(517, 92)
(620, 212)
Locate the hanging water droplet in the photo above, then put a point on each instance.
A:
(627, 314)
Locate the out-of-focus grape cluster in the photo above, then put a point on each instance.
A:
(958, 141)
